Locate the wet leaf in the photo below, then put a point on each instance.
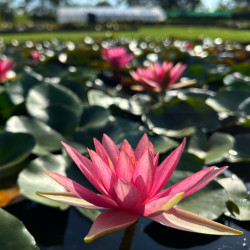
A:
(13, 234)
(32, 179)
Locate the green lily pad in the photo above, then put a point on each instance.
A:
(208, 202)
(77, 87)
(182, 115)
(240, 146)
(213, 150)
(118, 129)
(18, 89)
(94, 116)
(55, 105)
(47, 139)
(6, 107)
(91, 214)
(14, 148)
(32, 179)
(190, 162)
(237, 193)
(236, 81)
(13, 234)
(228, 100)
(245, 106)
(194, 93)
(137, 105)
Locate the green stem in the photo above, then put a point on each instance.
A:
(128, 237)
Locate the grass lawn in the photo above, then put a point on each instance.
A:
(158, 32)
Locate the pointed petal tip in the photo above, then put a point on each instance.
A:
(89, 240)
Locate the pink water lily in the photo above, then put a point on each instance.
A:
(130, 185)
(5, 66)
(158, 77)
(118, 57)
(35, 55)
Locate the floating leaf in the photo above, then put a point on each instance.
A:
(94, 116)
(182, 115)
(237, 193)
(215, 149)
(91, 214)
(14, 148)
(47, 139)
(55, 105)
(228, 100)
(13, 234)
(240, 148)
(32, 179)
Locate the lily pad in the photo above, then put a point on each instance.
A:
(213, 150)
(14, 148)
(228, 100)
(32, 179)
(18, 89)
(238, 194)
(13, 234)
(55, 105)
(91, 214)
(240, 146)
(190, 162)
(47, 139)
(182, 115)
(94, 116)
(208, 202)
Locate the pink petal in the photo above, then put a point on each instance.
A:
(106, 175)
(68, 198)
(126, 195)
(110, 148)
(82, 192)
(110, 221)
(184, 220)
(100, 150)
(124, 168)
(194, 182)
(143, 144)
(86, 166)
(128, 149)
(161, 205)
(144, 173)
(166, 169)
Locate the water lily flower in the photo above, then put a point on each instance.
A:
(5, 66)
(35, 55)
(130, 185)
(117, 56)
(158, 77)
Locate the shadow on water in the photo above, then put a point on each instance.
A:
(174, 238)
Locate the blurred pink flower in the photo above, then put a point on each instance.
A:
(5, 66)
(158, 77)
(35, 55)
(117, 57)
(130, 186)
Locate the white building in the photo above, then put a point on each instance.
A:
(107, 14)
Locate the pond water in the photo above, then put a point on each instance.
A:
(64, 230)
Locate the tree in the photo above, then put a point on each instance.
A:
(166, 4)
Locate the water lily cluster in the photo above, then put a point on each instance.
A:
(130, 90)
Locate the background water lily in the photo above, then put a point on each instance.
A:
(158, 77)
(130, 186)
(118, 57)
(5, 66)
